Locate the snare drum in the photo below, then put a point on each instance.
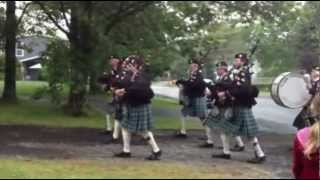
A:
(290, 90)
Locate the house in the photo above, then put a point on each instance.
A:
(29, 54)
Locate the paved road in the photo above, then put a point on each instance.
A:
(271, 117)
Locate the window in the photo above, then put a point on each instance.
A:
(20, 50)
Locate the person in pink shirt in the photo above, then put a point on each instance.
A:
(307, 146)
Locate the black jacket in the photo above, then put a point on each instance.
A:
(315, 87)
(194, 87)
(222, 85)
(139, 91)
(242, 89)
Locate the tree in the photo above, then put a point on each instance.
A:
(10, 34)
(9, 93)
(82, 24)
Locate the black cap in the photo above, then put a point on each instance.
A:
(222, 64)
(196, 61)
(241, 56)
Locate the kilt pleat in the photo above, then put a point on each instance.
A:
(137, 119)
(242, 123)
(196, 107)
(245, 123)
(218, 118)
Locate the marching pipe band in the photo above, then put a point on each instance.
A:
(232, 97)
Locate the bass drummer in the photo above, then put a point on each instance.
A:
(313, 85)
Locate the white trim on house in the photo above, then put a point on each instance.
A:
(21, 51)
(29, 59)
(37, 66)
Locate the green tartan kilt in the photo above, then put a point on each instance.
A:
(137, 119)
(196, 107)
(218, 117)
(242, 124)
(110, 109)
(118, 109)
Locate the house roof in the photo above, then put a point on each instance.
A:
(33, 47)
(29, 59)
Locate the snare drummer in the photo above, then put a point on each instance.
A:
(300, 121)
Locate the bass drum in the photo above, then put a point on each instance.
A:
(290, 90)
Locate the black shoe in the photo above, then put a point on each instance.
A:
(203, 138)
(181, 135)
(113, 141)
(237, 148)
(123, 155)
(106, 132)
(257, 160)
(222, 156)
(206, 145)
(219, 147)
(154, 156)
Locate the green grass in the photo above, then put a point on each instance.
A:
(173, 123)
(26, 88)
(28, 112)
(33, 168)
(161, 102)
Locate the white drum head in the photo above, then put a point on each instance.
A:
(291, 90)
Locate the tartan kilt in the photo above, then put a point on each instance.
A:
(219, 117)
(244, 124)
(118, 111)
(196, 107)
(137, 119)
(110, 109)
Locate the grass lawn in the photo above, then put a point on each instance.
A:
(34, 168)
(26, 88)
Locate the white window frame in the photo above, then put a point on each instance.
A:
(20, 50)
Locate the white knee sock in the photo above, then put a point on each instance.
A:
(108, 124)
(257, 147)
(209, 135)
(225, 143)
(149, 136)
(239, 141)
(183, 125)
(116, 129)
(126, 135)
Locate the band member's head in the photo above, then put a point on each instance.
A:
(115, 62)
(135, 61)
(315, 73)
(195, 65)
(222, 68)
(241, 60)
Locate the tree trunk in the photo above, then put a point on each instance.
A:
(81, 47)
(9, 93)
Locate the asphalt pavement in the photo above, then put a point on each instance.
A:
(271, 117)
